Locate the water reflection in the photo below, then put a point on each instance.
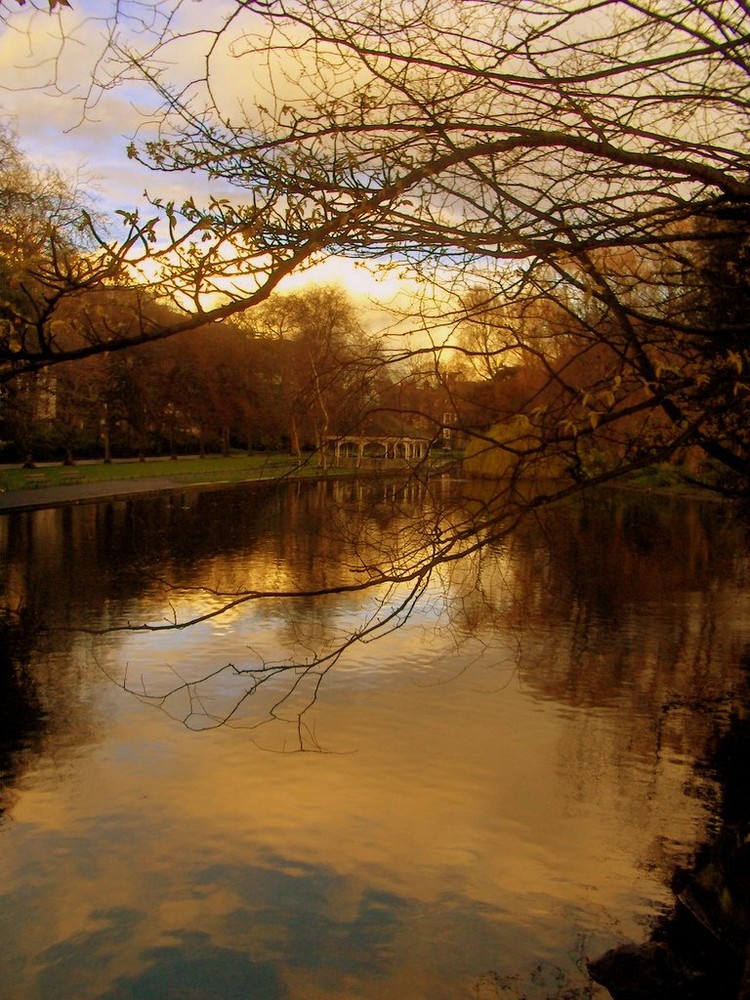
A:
(513, 777)
(22, 718)
(191, 966)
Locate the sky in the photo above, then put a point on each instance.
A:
(44, 97)
(43, 90)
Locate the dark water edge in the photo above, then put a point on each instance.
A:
(701, 948)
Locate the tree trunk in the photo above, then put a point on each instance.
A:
(294, 439)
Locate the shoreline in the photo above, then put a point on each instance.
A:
(74, 494)
(49, 496)
(96, 491)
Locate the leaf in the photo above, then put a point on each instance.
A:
(736, 360)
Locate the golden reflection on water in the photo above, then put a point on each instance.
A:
(499, 787)
(406, 814)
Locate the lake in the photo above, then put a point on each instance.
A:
(468, 805)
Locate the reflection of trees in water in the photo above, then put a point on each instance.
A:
(547, 584)
(321, 576)
(22, 720)
(701, 947)
(62, 567)
(98, 568)
(318, 563)
(628, 607)
(579, 579)
(44, 702)
(315, 561)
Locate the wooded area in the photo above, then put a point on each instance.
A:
(570, 185)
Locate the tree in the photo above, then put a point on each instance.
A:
(49, 4)
(476, 135)
(583, 167)
(321, 363)
(473, 136)
(48, 266)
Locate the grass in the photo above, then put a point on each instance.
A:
(235, 469)
(657, 477)
(189, 470)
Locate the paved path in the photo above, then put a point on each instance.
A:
(75, 493)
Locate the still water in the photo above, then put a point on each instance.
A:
(466, 807)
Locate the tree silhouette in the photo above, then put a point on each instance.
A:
(576, 178)
(578, 170)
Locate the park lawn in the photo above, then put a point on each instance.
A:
(232, 469)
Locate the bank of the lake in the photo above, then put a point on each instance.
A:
(53, 485)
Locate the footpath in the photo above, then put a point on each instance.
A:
(37, 498)
(45, 494)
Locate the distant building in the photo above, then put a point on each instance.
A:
(362, 447)
(380, 439)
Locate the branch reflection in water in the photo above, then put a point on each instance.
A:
(348, 564)
(528, 741)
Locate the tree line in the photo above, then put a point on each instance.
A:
(571, 185)
(302, 372)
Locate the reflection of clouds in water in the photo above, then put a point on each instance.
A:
(194, 967)
(309, 917)
(190, 966)
(72, 966)
(328, 930)
(281, 928)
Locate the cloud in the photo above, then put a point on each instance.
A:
(47, 63)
